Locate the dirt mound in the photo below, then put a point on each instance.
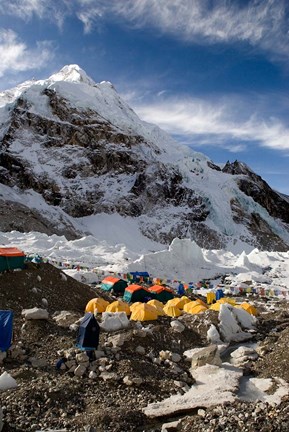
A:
(27, 288)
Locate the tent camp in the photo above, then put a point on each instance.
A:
(161, 293)
(136, 293)
(6, 329)
(116, 285)
(139, 276)
(88, 332)
(11, 258)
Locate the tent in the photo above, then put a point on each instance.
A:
(249, 308)
(178, 302)
(136, 293)
(116, 285)
(97, 304)
(191, 305)
(118, 306)
(11, 258)
(161, 293)
(196, 309)
(139, 276)
(134, 305)
(215, 306)
(144, 312)
(172, 311)
(158, 306)
(227, 300)
(6, 329)
(88, 332)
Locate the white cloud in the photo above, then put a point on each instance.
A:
(261, 23)
(17, 57)
(226, 124)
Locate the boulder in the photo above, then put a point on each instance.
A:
(201, 356)
(35, 314)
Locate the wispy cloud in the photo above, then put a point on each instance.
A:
(226, 124)
(16, 56)
(261, 23)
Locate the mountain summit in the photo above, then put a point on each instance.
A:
(71, 148)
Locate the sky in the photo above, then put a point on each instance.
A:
(212, 73)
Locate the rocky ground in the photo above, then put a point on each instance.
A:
(134, 366)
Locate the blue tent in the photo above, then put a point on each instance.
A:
(136, 276)
(88, 332)
(6, 329)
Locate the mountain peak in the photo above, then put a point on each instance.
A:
(72, 73)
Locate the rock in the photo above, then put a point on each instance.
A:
(35, 313)
(202, 413)
(82, 357)
(37, 363)
(98, 354)
(140, 350)
(201, 356)
(171, 426)
(118, 340)
(109, 376)
(175, 357)
(92, 375)
(177, 326)
(7, 381)
(79, 370)
(244, 351)
(44, 302)
(3, 355)
(127, 381)
(165, 355)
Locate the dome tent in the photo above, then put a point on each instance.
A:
(118, 306)
(116, 285)
(136, 293)
(144, 312)
(11, 258)
(97, 304)
(161, 293)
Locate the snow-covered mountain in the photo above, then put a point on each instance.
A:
(71, 148)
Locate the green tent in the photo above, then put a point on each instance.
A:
(11, 258)
(136, 293)
(113, 284)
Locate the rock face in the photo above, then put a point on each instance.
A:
(80, 149)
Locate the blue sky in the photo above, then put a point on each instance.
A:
(213, 73)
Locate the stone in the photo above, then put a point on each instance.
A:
(79, 370)
(177, 326)
(109, 376)
(92, 375)
(171, 426)
(165, 355)
(244, 351)
(176, 358)
(82, 357)
(37, 363)
(3, 355)
(140, 350)
(207, 355)
(35, 313)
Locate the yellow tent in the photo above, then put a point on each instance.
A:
(144, 312)
(118, 306)
(185, 300)
(172, 310)
(196, 309)
(249, 308)
(134, 305)
(201, 302)
(211, 296)
(193, 304)
(215, 306)
(226, 300)
(156, 303)
(97, 304)
(178, 302)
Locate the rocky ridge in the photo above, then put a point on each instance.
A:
(87, 153)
